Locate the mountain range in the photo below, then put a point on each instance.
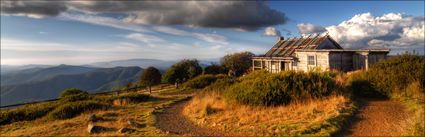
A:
(36, 84)
(29, 83)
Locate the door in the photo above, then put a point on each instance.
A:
(287, 64)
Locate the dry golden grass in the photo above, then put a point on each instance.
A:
(212, 111)
(113, 119)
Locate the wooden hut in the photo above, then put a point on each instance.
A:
(315, 52)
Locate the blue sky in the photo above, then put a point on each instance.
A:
(86, 34)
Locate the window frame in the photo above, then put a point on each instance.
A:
(311, 60)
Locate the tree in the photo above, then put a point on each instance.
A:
(182, 71)
(214, 69)
(150, 77)
(237, 63)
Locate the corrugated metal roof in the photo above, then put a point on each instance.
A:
(285, 48)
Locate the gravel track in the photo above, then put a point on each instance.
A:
(173, 121)
(377, 117)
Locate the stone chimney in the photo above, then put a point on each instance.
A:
(280, 38)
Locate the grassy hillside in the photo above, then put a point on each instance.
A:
(265, 104)
(71, 115)
(258, 104)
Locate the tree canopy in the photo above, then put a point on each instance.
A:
(215, 69)
(237, 63)
(182, 71)
(71, 92)
(150, 77)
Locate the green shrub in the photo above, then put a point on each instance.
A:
(200, 81)
(70, 92)
(395, 74)
(220, 84)
(72, 109)
(260, 88)
(359, 84)
(133, 97)
(27, 112)
(75, 97)
(389, 77)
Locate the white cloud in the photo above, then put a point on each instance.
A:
(15, 51)
(271, 31)
(393, 30)
(213, 38)
(144, 38)
(103, 21)
(208, 37)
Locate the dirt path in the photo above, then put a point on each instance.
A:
(377, 117)
(173, 121)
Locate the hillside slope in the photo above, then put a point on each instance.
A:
(91, 81)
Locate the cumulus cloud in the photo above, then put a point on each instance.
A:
(271, 31)
(307, 28)
(243, 15)
(392, 30)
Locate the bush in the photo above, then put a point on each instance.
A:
(72, 109)
(395, 74)
(75, 97)
(389, 77)
(133, 97)
(260, 88)
(203, 81)
(27, 112)
(215, 69)
(200, 81)
(221, 84)
(358, 84)
(70, 92)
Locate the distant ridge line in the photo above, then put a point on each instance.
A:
(50, 100)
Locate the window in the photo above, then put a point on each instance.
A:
(311, 60)
(294, 63)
